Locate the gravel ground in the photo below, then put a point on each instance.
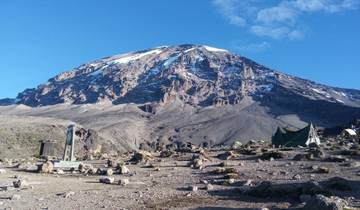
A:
(167, 184)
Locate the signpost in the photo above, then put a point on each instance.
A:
(70, 138)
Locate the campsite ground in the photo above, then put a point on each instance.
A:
(169, 183)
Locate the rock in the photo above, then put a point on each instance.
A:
(353, 164)
(230, 155)
(107, 180)
(224, 164)
(272, 154)
(101, 171)
(193, 188)
(231, 176)
(231, 181)
(337, 158)
(85, 168)
(166, 153)
(60, 172)
(141, 157)
(46, 167)
(209, 187)
(219, 170)
(248, 182)
(123, 169)
(66, 194)
(303, 157)
(20, 183)
(324, 203)
(204, 182)
(2, 171)
(323, 170)
(297, 177)
(282, 205)
(198, 163)
(111, 163)
(231, 170)
(124, 182)
(317, 152)
(92, 171)
(109, 172)
(314, 167)
(15, 197)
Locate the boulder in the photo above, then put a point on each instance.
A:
(109, 172)
(323, 170)
(141, 157)
(166, 153)
(123, 182)
(46, 167)
(322, 202)
(209, 187)
(272, 154)
(123, 169)
(317, 152)
(304, 157)
(229, 155)
(336, 158)
(107, 180)
(20, 183)
(85, 168)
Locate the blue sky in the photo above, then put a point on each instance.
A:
(313, 39)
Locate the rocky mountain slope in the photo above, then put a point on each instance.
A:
(183, 93)
(197, 75)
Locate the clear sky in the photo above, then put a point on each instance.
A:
(314, 39)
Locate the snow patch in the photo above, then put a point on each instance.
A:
(188, 50)
(213, 49)
(318, 91)
(171, 60)
(136, 56)
(96, 73)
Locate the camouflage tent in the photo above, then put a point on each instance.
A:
(290, 138)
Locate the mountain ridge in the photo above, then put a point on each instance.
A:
(175, 69)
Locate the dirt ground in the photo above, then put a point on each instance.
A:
(165, 183)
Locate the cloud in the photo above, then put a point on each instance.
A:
(276, 14)
(250, 47)
(228, 9)
(280, 20)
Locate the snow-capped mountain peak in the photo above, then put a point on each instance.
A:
(197, 75)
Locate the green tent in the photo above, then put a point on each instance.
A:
(290, 138)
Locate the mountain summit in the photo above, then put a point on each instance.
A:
(195, 74)
(189, 93)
